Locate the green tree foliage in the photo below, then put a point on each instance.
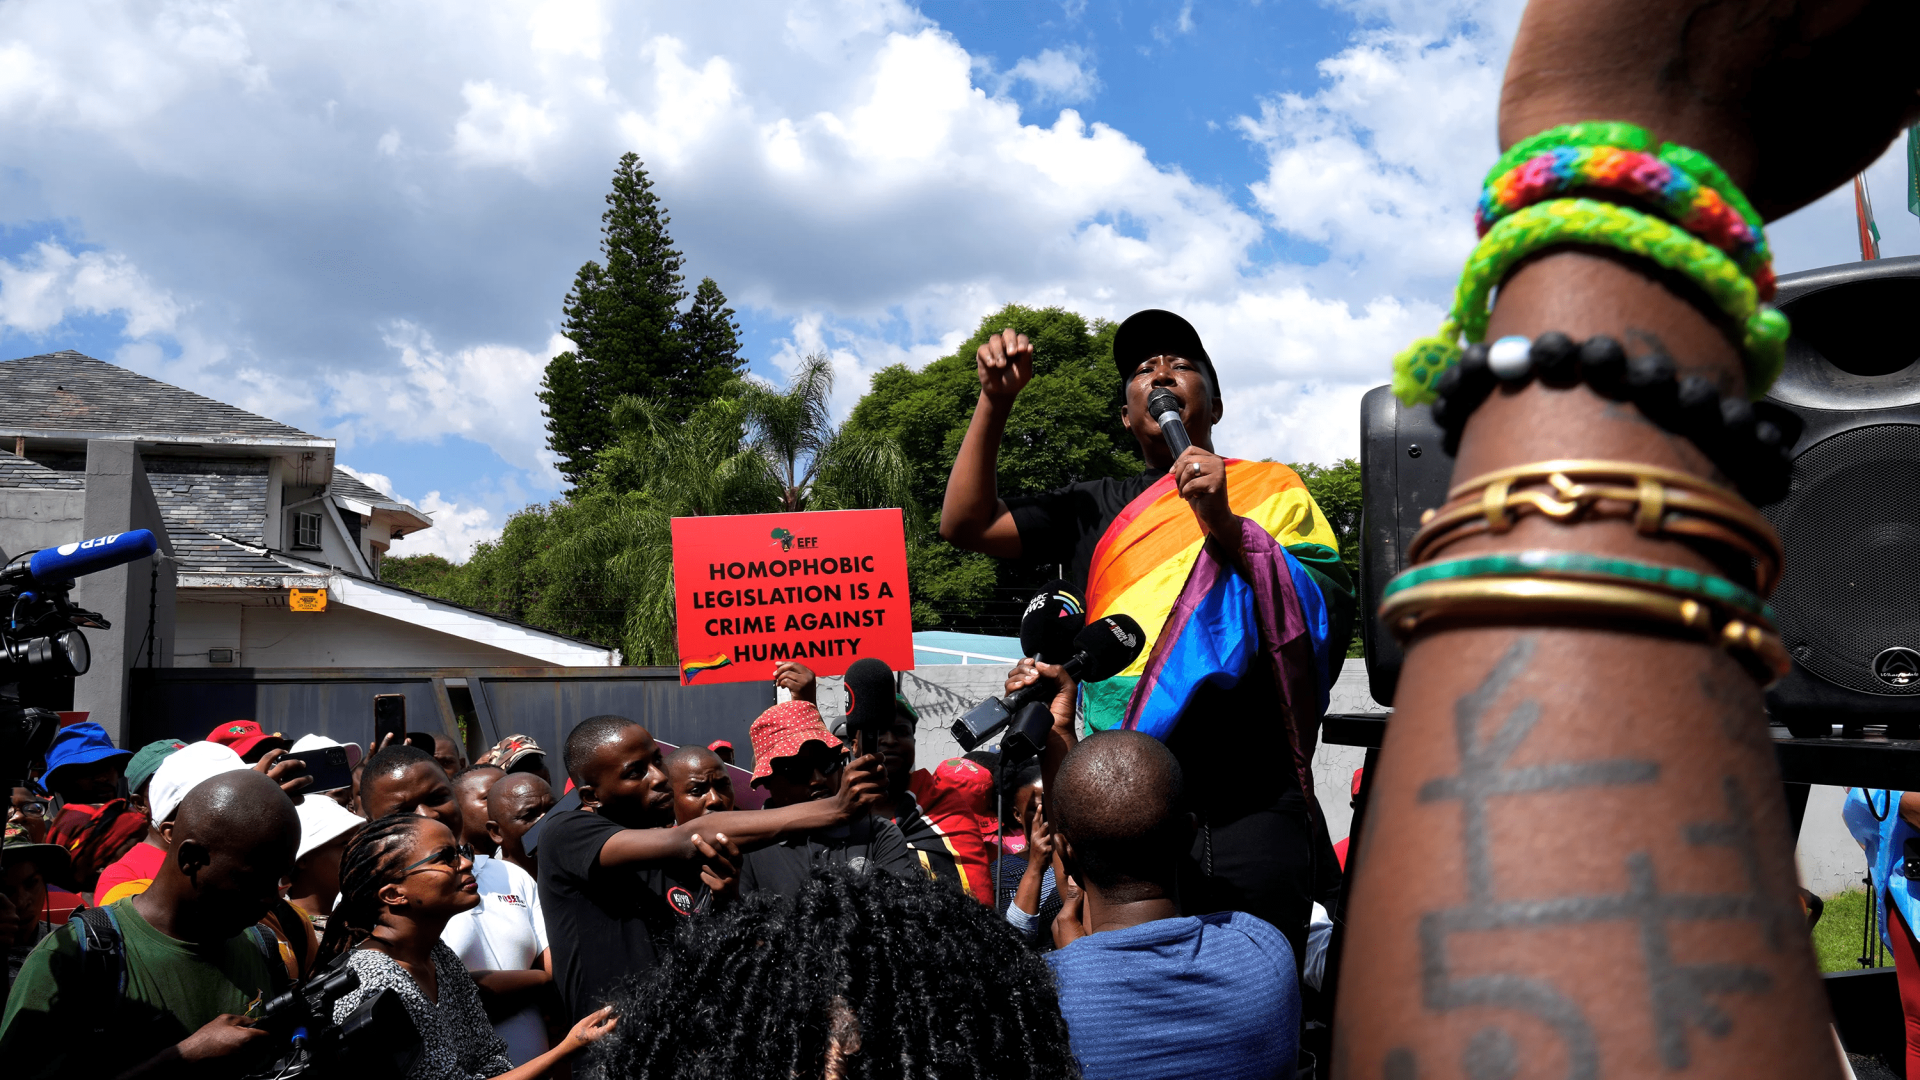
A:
(630, 337)
(1336, 489)
(1065, 428)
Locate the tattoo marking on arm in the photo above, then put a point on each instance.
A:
(1677, 992)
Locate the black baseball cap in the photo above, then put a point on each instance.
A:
(1154, 332)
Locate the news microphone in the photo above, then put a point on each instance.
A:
(1101, 650)
(81, 557)
(869, 683)
(1052, 617)
(1164, 407)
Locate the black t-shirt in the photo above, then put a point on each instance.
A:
(1065, 525)
(603, 923)
(872, 843)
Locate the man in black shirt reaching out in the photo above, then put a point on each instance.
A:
(613, 873)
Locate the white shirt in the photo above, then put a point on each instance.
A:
(505, 933)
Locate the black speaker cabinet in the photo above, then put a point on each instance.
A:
(1403, 473)
(1848, 606)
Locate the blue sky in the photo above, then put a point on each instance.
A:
(361, 219)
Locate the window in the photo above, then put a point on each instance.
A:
(306, 531)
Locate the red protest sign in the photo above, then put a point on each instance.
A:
(823, 588)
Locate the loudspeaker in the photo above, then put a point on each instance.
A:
(1848, 606)
(1403, 473)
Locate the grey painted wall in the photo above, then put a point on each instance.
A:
(119, 499)
(31, 518)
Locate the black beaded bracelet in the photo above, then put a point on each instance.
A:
(1749, 441)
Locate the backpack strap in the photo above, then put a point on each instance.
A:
(103, 963)
(269, 946)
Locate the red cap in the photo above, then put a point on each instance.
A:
(718, 743)
(782, 730)
(241, 736)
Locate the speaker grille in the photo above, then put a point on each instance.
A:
(1852, 529)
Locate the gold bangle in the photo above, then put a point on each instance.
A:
(1496, 600)
(1658, 501)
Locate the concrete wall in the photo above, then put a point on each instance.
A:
(274, 637)
(118, 499)
(31, 518)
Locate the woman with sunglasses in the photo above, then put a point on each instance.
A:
(401, 879)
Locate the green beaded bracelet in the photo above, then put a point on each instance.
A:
(1579, 564)
(1417, 369)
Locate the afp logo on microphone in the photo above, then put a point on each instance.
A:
(87, 545)
(1128, 639)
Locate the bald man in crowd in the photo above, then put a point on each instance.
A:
(699, 781)
(194, 961)
(515, 804)
(1146, 992)
(470, 788)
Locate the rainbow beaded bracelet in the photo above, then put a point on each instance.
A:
(1629, 137)
(1677, 195)
(1417, 369)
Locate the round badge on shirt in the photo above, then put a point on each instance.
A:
(680, 900)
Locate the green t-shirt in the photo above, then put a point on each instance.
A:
(173, 989)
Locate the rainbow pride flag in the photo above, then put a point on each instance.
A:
(694, 667)
(1204, 621)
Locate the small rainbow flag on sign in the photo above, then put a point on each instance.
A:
(689, 670)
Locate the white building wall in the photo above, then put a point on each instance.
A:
(32, 518)
(274, 637)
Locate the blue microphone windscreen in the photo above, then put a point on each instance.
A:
(90, 556)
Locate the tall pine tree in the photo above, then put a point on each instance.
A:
(712, 341)
(623, 319)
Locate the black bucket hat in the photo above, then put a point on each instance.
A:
(1154, 332)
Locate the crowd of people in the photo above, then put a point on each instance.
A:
(523, 909)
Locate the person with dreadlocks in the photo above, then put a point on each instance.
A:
(617, 874)
(857, 977)
(402, 879)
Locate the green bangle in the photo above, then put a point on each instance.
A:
(1417, 369)
(1680, 581)
(1618, 133)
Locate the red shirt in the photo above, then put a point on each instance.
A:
(96, 836)
(130, 875)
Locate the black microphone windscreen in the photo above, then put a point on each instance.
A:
(869, 684)
(1109, 644)
(1052, 618)
(1161, 402)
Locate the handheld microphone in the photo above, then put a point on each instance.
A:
(869, 683)
(1053, 616)
(81, 557)
(1164, 407)
(1101, 650)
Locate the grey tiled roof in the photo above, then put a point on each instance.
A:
(351, 486)
(69, 391)
(225, 497)
(199, 552)
(18, 472)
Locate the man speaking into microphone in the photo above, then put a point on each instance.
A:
(1234, 575)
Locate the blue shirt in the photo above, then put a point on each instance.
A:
(1213, 996)
(1873, 817)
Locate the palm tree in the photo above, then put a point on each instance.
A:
(820, 465)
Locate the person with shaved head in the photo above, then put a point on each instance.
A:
(613, 879)
(1147, 992)
(194, 964)
(515, 804)
(699, 782)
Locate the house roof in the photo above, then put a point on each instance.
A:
(69, 394)
(224, 498)
(350, 486)
(19, 472)
(197, 551)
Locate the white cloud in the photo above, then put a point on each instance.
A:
(457, 529)
(1058, 76)
(484, 393)
(50, 283)
(500, 127)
